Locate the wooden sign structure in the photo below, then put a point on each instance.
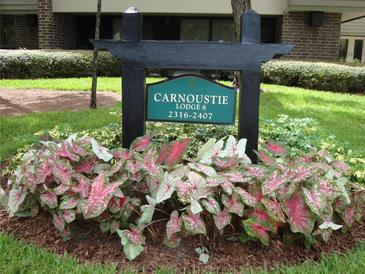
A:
(245, 56)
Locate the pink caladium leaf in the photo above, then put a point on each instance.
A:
(133, 167)
(302, 173)
(83, 186)
(114, 226)
(300, 217)
(148, 163)
(58, 222)
(211, 205)
(99, 197)
(255, 230)
(234, 177)
(233, 204)
(274, 209)
(173, 226)
(62, 171)
(266, 159)
(69, 202)
(176, 151)
(122, 154)
(327, 188)
(315, 200)
(163, 154)
(226, 163)
(222, 219)
(272, 183)
(197, 185)
(142, 143)
(257, 172)
(86, 166)
(49, 198)
(65, 152)
(77, 149)
(276, 148)
(61, 189)
(173, 242)
(69, 216)
(246, 197)
(215, 181)
(341, 166)
(183, 190)
(194, 224)
(44, 171)
(263, 218)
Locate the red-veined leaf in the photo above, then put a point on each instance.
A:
(272, 184)
(315, 200)
(194, 224)
(173, 225)
(222, 219)
(49, 198)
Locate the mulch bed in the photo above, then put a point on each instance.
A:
(90, 245)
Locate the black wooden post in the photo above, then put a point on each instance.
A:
(133, 83)
(249, 101)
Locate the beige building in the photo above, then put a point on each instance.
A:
(312, 25)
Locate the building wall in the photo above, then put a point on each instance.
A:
(18, 6)
(321, 43)
(26, 31)
(55, 30)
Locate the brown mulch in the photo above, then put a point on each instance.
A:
(89, 245)
(20, 101)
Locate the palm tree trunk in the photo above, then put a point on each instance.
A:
(95, 58)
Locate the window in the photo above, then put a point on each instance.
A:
(223, 30)
(358, 49)
(194, 29)
(344, 45)
(7, 32)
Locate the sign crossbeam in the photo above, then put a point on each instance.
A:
(194, 55)
(245, 56)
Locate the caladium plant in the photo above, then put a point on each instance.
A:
(122, 189)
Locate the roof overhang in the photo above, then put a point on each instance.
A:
(327, 5)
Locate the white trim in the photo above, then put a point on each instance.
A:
(351, 47)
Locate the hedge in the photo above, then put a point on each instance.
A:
(320, 76)
(28, 64)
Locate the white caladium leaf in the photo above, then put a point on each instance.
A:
(197, 185)
(246, 197)
(330, 225)
(62, 171)
(195, 206)
(100, 151)
(69, 202)
(132, 241)
(222, 219)
(152, 184)
(180, 172)
(69, 216)
(194, 224)
(315, 200)
(215, 181)
(210, 152)
(206, 148)
(147, 212)
(207, 170)
(166, 188)
(58, 222)
(16, 198)
(173, 226)
(227, 187)
(272, 183)
(211, 205)
(49, 198)
(233, 204)
(233, 148)
(148, 163)
(183, 190)
(3, 198)
(61, 189)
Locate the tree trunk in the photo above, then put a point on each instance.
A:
(239, 7)
(95, 58)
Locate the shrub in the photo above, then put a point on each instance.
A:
(307, 196)
(29, 64)
(320, 76)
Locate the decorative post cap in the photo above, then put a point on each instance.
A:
(131, 10)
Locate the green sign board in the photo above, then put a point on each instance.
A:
(191, 99)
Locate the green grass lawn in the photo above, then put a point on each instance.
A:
(341, 114)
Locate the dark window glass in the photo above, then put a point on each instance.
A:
(194, 30)
(344, 44)
(358, 49)
(223, 30)
(7, 32)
